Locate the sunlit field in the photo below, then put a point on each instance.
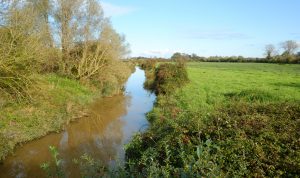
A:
(231, 119)
(213, 84)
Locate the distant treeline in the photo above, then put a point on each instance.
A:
(272, 55)
(194, 58)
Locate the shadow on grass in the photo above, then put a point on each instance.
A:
(291, 84)
(251, 95)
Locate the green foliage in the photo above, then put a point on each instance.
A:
(169, 77)
(54, 170)
(286, 58)
(111, 80)
(252, 95)
(90, 168)
(28, 46)
(34, 102)
(243, 128)
(16, 64)
(58, 101)
(6, 145)
(148, 64)
(22, 50)
(256, 139)
(231, 120)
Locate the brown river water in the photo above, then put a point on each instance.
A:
(111, 123)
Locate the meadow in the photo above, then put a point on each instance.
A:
(212, 84)
(231, 119)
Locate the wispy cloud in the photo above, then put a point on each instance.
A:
(217, 35)
(112, 10)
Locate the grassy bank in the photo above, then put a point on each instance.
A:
(46, 76)
(55, 101)
(231, 119)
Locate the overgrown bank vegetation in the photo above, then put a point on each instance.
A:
(165, 78)
(230, 120)
(226, 120)
(55, 56)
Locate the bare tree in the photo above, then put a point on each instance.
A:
(101, 53)
(289, 47)
(65, 13)
(43, 9)
(88, 41)
(270, 51)
(85, 42)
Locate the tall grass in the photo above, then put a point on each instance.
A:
(57, 102)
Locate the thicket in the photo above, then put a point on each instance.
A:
(238, 139)
(79, 43)
(169, 77)
(164, 78)
(149, 66)
(21, 50)
(69, 40)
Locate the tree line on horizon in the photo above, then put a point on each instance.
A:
(272, 55)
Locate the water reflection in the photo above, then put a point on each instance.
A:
(110, 124)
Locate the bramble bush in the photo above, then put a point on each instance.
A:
(238, 139)
(169, 77)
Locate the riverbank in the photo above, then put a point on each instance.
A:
(101, 135)
(55, 102)
(229, 120)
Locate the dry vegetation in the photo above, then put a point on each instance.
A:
(67, 42)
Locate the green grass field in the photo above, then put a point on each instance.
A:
(230, 120)
(212, 84)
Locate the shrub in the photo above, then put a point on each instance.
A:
(111, 80)
(148, 64)
(19, 57)
(23, 50)
(169, 77)
(239, 139)
(262, 137)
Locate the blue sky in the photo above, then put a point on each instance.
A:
(205, 27)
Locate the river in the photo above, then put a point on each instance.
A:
(111, 123)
